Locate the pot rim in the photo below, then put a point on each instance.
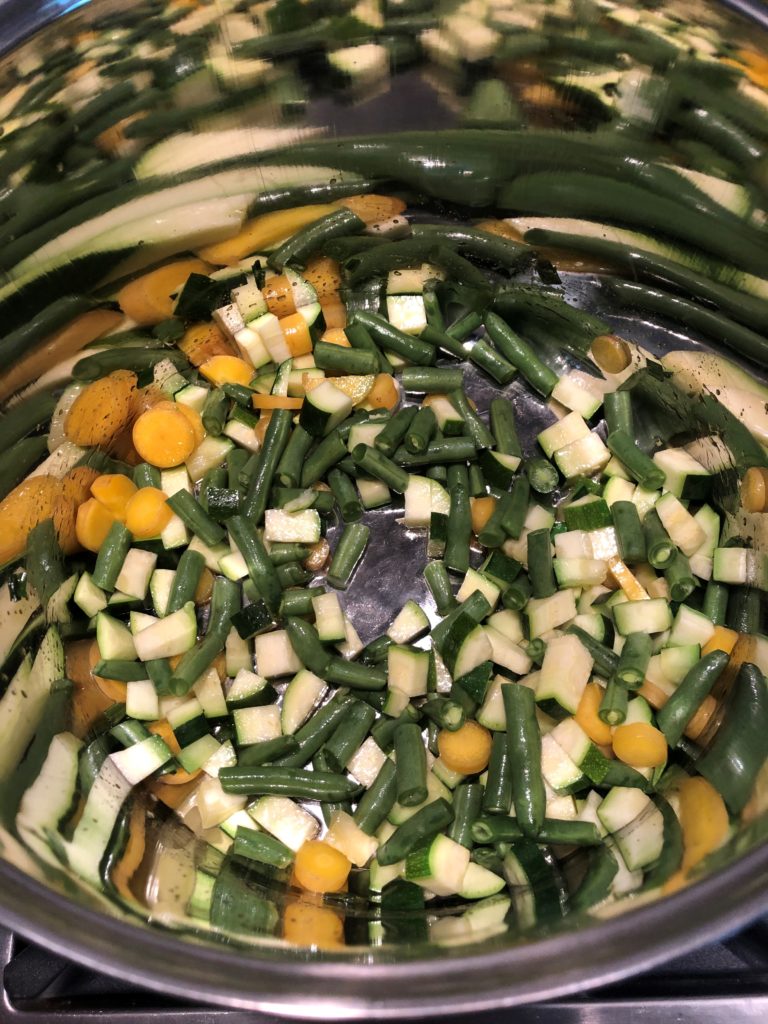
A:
(446, 981)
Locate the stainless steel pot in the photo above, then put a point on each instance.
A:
(504, 969)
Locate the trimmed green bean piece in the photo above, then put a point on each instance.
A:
(313, 734)
(497, 795)
(639, 465)
(553, 831)
(395, 430)
(260, 568)
(377, 801)
(433, 310)
(292, 574)
(111, 556)
(540, 563)
(145, 475)
(299, 601)
(240, 394)
(292, 782)
(349, 551)
(322, 500)
(348, 735)
(685, 701)
(504, 427)
(340, 359)
(345, 493)
(613, 706)
(476, 481)
(188, 573)
(461, 329)
(520, 354)
(215, 412)
(444, 712)
(474, 426)
(715, 605)
(312, 238)
(442, 451)
(193, 515)
(542, 475)
(236, 463)
(328, 453)
(124, 671)
(517, 594)
(424, 825)
(257, 754)
(439, 583)
(467, 805)
(476, 607)
(421, 431)
(605, 661)
(456, 556)
(431, 379)
(405, 345)
(679, 577)
(617, 406)
(359, 338)
(629, 531)
(376, 650)
(355, 675)
(291, 465)
(491, 362)
(284, 552)
(524, 752)
(493, 534)
(306, 644)
(225, 601)
(259, 846)
(410, 765)
(375, 463)
(659, 547)
(275, 439)
(442, 339)
(633, 660)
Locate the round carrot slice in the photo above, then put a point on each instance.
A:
(93, 523)
(147, 513)
(114, 491)
(163, 437)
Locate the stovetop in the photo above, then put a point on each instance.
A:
(725, 983)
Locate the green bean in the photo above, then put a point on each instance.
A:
(467, 804)
(348, 735)
(298, 602)
(123, 671)
(260, 568)
(633, 660)
(520, 354)
(476, 481)
(629, 531)
(383, 730)
(19, 460)
(257, 754)
(671, 855)
(497, 795)
(462, 328)
(377, 801)
(291, 782)
(516, 595)
(685, 701)
(540, 563)
(355, 675)
(739, 749)
(188, 573)
(395, 430)
(660, 549)
(379, 260)
(492, 535)
(491, 362)
(638, 464)
(605, 661)
(483, 245)
(456, 556)
(715, 604)
(313, 734)
(477, 430)
(614, 773)
(596, 883)
(275, 439)
(261, 847)
(553, 831)
(346, 496)
(225, 601)
(312, 238)
(679, 577)
(431, 379)
(695, 317)
(439, 583)
(613, 706)
(424, 825)
(504, 427)
(541, 474)
(290, 467)
(359, 338)
(145, 475)
(441, 339)
(445, 712)
(376, 650)
(410, 765)
(349, 551)
(340, 359)
(322, 500)
(284, 552)
(617, 406)
(524, 753)
(236, 462)
(476, 607)
(744, 610)
(421, 431)
(306, 644)
(328, 453)
(193, 515)
(721, 133)
(111, 556)
(433, 310)
(376, 464)
(128, 358)
(443, 450)
(215, 412)
(389, 337)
